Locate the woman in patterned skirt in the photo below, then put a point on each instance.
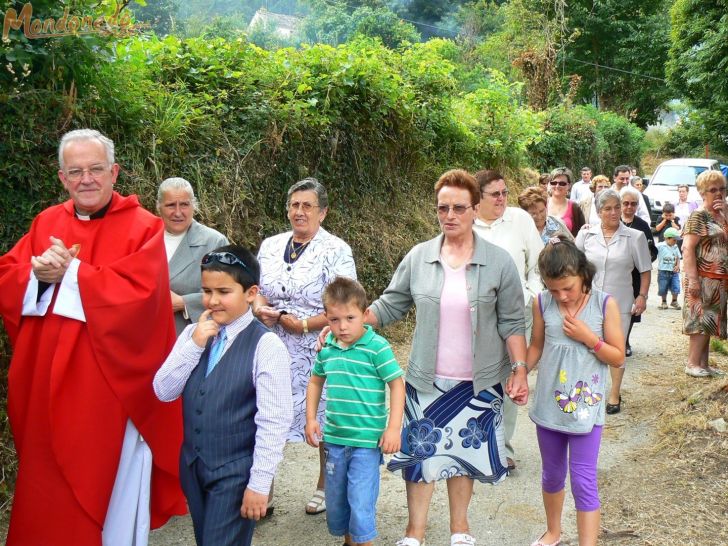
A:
(705, 264)
(469, 299)
(295, 267)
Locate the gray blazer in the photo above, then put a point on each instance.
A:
(184, 270)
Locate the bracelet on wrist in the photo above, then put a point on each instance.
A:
(304, 324)
(597, 345)
(519, 364)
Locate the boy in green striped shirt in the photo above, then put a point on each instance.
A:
(355, 363)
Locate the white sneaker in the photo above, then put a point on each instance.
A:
(696, 371)
(462, 539)
(409, 541)
(715, 372)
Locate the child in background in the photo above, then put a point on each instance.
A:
(234, 377)
(668, 220)
(668, 268)
(576, 334)
(355, 363)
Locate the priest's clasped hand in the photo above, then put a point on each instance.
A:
(51, 266)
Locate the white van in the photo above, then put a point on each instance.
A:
(671, 174)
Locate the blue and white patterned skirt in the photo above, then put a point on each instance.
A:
(449, 433)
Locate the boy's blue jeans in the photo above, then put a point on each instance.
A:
(352, 488)
(668, 280)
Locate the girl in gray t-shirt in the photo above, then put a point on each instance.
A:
(576, 335)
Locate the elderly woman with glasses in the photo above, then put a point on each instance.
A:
(705, 263)
(615, 250)
(186, 242)
(533, 200)
(630, 201)
(560, 205)
(468, 342)
(295, 267)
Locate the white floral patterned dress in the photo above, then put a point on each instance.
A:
(297, 288)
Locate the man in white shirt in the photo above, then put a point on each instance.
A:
(512, 229)
(581, 188)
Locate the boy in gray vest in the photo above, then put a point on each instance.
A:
(234, 379)
(355, 363)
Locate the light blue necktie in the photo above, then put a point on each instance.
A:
(216, 350)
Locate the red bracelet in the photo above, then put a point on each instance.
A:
(598, 345)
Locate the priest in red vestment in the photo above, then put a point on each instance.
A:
(84, 297)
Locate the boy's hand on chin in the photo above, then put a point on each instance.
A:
(206, 328)
(254, 505)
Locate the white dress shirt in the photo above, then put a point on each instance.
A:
(516, 233)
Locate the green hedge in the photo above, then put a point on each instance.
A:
(582, 135)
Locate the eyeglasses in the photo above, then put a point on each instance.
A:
(716, 190)
(459, 210)
(224, 258)
(496, 194)
(629, 203)
(94, 172)
(304, 206)
(561, 183)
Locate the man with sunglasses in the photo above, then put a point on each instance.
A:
(512, 229)
(87, 307)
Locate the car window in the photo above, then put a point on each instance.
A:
(674, 175)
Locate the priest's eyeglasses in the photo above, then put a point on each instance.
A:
(94, 172)
(225, 258)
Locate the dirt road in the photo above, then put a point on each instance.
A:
(510, 513)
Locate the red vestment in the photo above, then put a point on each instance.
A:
(73, 384)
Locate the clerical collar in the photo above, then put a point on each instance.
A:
(96, 215)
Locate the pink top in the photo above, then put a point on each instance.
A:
(454, 344)
(568, 216)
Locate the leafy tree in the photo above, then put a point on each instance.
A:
(159, 14)
(525, 48)
(619, 49)
(698, 66)
(334, 23)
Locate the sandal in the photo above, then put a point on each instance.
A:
(663, 305)
(675, 305)
(409, 541)
(317, 504)
(462, 539)
(540, 542)
(715, 372)
(697, 371)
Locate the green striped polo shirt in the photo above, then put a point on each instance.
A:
(356, 412)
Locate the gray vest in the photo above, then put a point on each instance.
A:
(219, 410)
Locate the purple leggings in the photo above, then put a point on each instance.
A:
(583, 454)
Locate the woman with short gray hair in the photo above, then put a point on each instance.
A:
(615, 250)
(186, 242)
(295, 267)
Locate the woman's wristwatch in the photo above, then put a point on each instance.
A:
(517, 364)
